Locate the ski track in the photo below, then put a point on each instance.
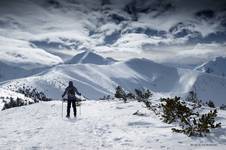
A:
(102, 125)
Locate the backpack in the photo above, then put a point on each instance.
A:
(71, 92)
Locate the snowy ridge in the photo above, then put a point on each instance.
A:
(89, 57)
(216, 66)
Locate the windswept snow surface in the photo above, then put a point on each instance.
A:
(106, 125)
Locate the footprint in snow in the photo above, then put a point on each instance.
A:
(139, 123)
(17, 132)
(3, 137)
(118, 139)
(119, 107)
(180, 142)
(163, 146)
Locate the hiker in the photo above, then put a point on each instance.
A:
(71, 98)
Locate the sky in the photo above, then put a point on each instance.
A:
(178, 32)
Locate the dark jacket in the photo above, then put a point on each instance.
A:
(71, 91)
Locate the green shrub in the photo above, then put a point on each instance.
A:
(210, 104)
(223, 107)
(33, 93)
(173, 109)
(191, 124)
(13, 103)
(120, 93)
(200, 126)
(142, 95)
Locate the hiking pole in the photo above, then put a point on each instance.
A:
(80, 111)
(62, 111)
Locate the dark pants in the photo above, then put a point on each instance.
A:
(69, 102)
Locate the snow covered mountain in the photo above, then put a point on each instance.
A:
(163, 31)
(13, 71)
(207, 86)
(95, 81)
(216, 66)
(8, 72)
(88, 57)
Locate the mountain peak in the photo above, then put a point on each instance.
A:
(89, 57)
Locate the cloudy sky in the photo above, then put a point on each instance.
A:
(176, 32)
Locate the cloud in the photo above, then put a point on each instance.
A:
(182, 56)
(86, 24)
(20, 53)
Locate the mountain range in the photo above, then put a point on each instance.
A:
(170, 47)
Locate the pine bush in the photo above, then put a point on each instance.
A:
(120, 93)
(200, 126)
(173, 109)
(211, 104)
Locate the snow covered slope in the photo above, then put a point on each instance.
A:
(89, 57)
(10, 72)
(95, 81)
(211, 87)
(107, 125)
(6, 94)
(207, 86)
(216, 66)
(14, 71)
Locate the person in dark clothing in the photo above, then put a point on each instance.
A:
(71, 98)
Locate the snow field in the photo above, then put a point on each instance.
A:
(101, 125)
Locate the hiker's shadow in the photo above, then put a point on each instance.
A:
(72, 120)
